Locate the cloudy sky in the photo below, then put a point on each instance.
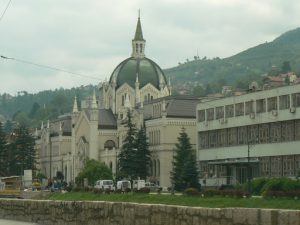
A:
(90, 37)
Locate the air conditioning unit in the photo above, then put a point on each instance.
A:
(252, 115)
(274, 112)
(292, 110)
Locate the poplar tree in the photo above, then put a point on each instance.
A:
(185, 172)
(127, 156)
(142, 154)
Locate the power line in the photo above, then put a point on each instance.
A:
(48, 67)
(5, 9)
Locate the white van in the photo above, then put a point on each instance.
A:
(138, 184)
(122, 185)
(105, 184)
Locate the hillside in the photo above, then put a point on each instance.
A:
(242, 67)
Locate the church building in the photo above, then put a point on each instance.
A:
(97, 129)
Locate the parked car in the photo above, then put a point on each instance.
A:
(152, 186)
(123, 185)
(138, 184)
(104, 185)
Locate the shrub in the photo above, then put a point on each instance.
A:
(108, 191)
(210, 192)
(191, 192)
(127, 190)
(281, 184)
(257, 185)
(144, 190)
(98, 191)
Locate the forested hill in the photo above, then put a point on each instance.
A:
(242, 67)
(32, 108)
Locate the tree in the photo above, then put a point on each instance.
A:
(3, 152)
(185, 172)
(142, 154)
(198, 91)
(127, 157)
(286, 67)
(24, 142)
(93, 171)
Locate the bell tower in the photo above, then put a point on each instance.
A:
(138, 43)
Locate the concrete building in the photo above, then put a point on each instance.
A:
(96, 129)
(257, 132)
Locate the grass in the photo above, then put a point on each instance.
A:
(211, 202)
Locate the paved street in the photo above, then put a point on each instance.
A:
(9, 222)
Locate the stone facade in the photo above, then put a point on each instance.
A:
(46, 212)
(96, 130)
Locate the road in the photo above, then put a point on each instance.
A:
(10, 222)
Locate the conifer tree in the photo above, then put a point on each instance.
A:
(185, 172)
(25, 152)
(3, 152)
(127, 156)
(142, 154)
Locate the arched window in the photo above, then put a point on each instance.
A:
(154, 168)
(109, 145)
(136, 47)
(110, 166)
(158, 167)
(141, 48)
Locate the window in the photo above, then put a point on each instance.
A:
(287, 132)
(201, 115)
(276, 166)
(297, 129)
(249, 107)
(136, 48)
(123, 99)
(210, 113)
(109, 145)
(288, 165)
(232, 136)
(272, 104)
(284, 102)
(296, 100)
(275, 132)
(212, 139)
(264, 133)
(222, 137)
(228, 111)
(242, 135)
(239, 109)
(264, 166)
(220, 112)
(141, 48)
(260, 106)
(253, 134)
(203, 140)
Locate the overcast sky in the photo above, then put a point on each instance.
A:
(91, 37)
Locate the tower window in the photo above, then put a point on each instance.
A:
(141, 48)
(123, 100)
(136, 47)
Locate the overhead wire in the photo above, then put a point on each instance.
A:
(49, 67)
(3, 13)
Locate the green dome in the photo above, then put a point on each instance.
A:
(147, 70)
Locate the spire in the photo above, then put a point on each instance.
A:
(94, 102)
(48, 124)
(138, 32)
(42, 125)
(75, 107)
(138, 43)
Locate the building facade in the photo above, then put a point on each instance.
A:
(256, 134)
(96, 130)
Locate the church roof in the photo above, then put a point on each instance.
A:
(138, 32)
(107, 120)
(147, 71)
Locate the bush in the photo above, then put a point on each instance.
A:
(191, 192)
(210, 192)
(98, 191)
(257, 185)
(281, 184)
(144, 190)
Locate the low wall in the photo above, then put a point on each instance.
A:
(46, 212)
